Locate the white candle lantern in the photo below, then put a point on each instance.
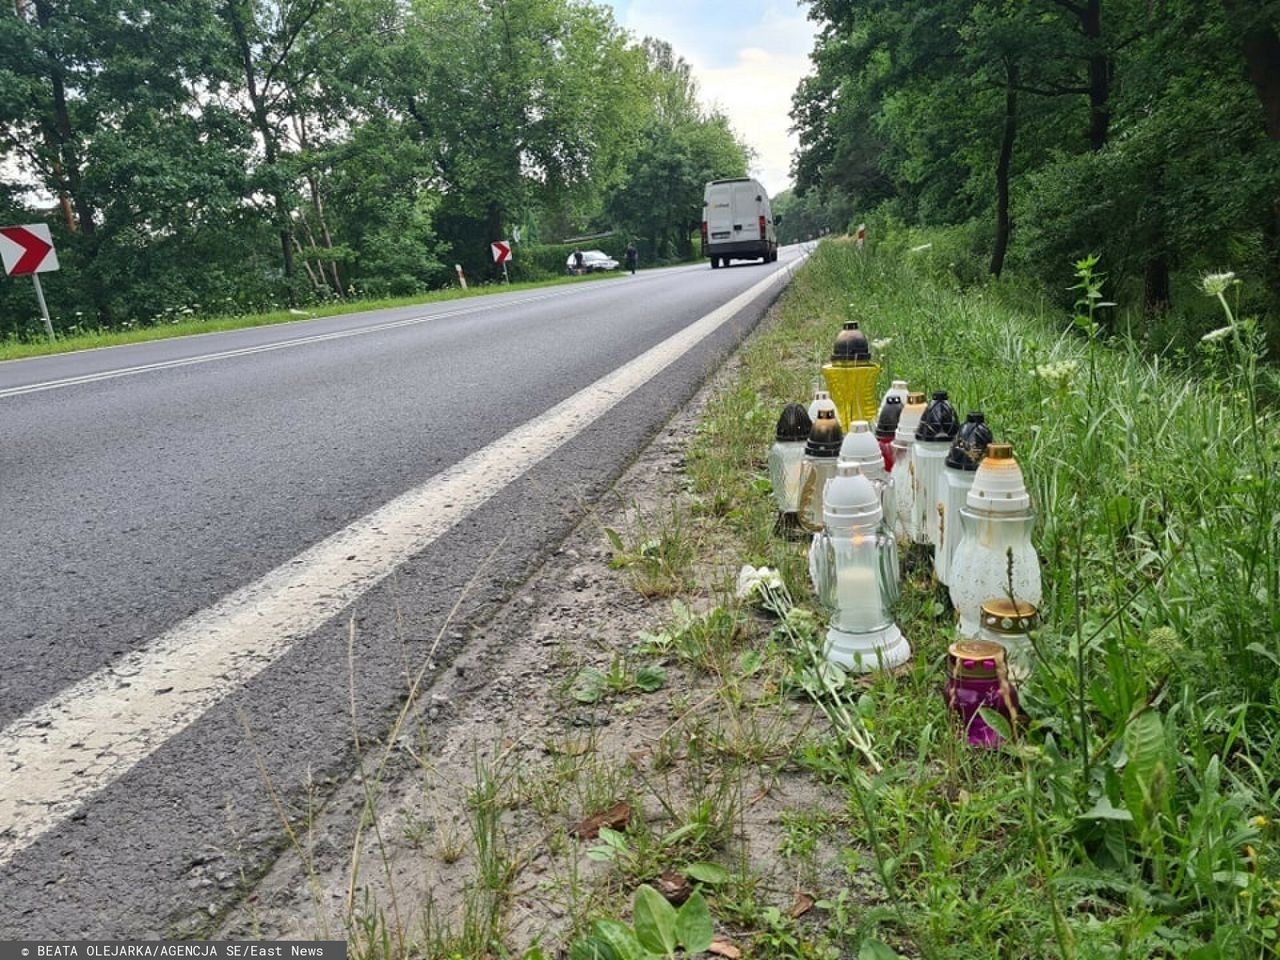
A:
(785, 459)
(904, 482)
(859, 577)
(957, 480)
(934, 435)
(861, 449)
(995, 557)
(821, 401)
(817, 466)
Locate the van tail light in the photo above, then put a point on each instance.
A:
(762, 230)
(704, 233)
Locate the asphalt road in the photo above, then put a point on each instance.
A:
(141, 486)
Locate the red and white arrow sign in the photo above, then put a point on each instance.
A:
(501, 251)
(27, 249)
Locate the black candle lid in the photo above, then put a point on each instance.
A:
(794, 424)
(851, 345)
(825, 437)
(939, 420)
(890, 414)
(971, 443)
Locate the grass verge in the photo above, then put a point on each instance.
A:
(682, 736)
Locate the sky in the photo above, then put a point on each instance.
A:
(747, 55)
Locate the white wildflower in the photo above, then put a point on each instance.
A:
(754, 581)
(883, 344)
(1057, 374)
(1216, 284)
(1218, 334)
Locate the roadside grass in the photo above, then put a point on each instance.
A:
(1131, 816)
(185, 323)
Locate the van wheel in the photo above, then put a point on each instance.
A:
(715, 263)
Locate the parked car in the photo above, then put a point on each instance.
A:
(593, 261)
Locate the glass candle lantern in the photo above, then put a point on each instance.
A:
(817, 466)
(904, 482)
(851, 376)
(785, 457)
(887, 427)
(898, 388)
(966, 454)
(995, 557)
(821, 401)
(861, 449)
(858, 577)
(979, 678)
(934, 435)
(1009, 623)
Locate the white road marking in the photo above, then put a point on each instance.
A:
(62, 753)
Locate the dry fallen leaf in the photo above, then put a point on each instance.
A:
(675, 887)
(723, 948)
(803, 904)
(615, 818)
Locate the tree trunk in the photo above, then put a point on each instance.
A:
(1260, 45)
(1099, 76)
(1002, 168)
(1155, 285)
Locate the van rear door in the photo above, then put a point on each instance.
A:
(720, 207)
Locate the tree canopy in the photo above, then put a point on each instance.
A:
(1143, 130)
(224, 155)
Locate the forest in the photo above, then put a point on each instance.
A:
(205, 157)
(1034, 133)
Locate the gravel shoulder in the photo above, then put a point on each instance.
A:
(471, 814)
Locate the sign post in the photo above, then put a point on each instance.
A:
(29, 249)
(501, 251)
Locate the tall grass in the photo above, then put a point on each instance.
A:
(1132, 818)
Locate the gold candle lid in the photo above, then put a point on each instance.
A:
(915, 397)
(980, 659)
(1001, 615)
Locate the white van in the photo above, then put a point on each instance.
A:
(737, 222)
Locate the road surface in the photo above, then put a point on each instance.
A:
(213, 545)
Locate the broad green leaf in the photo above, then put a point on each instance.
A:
(618, 938)
(711, 874)
(1103, 810)
(655, 921)
(997, 722)
(591, 947)
(873, 949)
(1144, 773)
(589, 686)
(694, 929)
(651, 678)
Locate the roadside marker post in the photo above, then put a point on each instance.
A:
(461, 276)
(29, 249)
(501, 250)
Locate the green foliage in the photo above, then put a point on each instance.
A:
(1140, 136)
(658, 930)
(235, 157)
(1135, 797)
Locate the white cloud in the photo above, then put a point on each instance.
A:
(748, 58)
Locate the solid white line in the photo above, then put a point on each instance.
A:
(266, 347)
(62, 753)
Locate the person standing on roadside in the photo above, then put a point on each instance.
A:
(632, 256)
(579, 264)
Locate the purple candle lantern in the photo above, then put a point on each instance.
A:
(979, 678)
